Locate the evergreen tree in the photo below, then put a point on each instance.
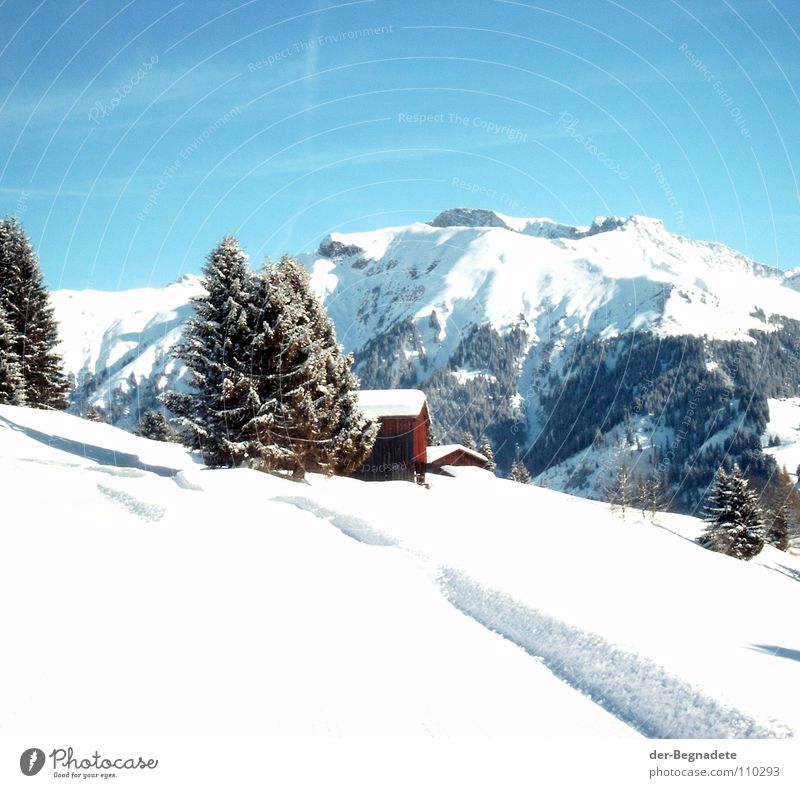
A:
(628, 423)
(271, 387)
(485, 448)
(346, 436)
(10, 377)
(153, 425)
(433, 435)
(519, 473)
(468, 440)
(34, 332)
(735, 523)
(307, 416)
(93, 413)
(216, 348)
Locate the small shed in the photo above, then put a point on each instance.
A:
(399, 451)
(454, 454)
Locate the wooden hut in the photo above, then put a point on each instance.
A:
(454, 454)
(399, 451)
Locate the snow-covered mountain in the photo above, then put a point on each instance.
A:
(495, 317)
(345, 609)
(116, 345)
(477, 267)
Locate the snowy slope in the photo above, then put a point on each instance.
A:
(111, 339)
(112, 331)
(784, 432)
(229, 602)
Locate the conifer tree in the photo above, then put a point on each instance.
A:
(270, 385)
(10, 377)
(93, 413)
(346, 435)
(307, 416)
(735, 522)
(519, 473)
(485, 448)
(153, 425)
(216, 348)
(468, 440)
(433, 435)
(25, 301)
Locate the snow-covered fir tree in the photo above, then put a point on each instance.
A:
(346, 436)
(735, 522)
(10, 377)
(216, 348)
(485, 448)
(307, 418)
(25, 301)
(519, 473)
(468, 440)
(434, 439)
(270, 387)
(153, 425)
(93, 413)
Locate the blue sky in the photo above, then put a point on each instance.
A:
(134, 134)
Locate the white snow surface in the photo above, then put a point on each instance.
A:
(784, 424)
(435, 453)
(391, 402)
(176, 600)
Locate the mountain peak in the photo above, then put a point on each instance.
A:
(542, 227)
(606, 224)
(468, 217)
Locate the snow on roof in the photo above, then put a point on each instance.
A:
(436, 453)
(391, 402)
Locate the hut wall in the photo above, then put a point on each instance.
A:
(394, 453)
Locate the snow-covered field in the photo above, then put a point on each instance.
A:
(166, 599)
(784, 425)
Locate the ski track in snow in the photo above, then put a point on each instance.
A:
(147, 511)
(636, 690)
(354, 527)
